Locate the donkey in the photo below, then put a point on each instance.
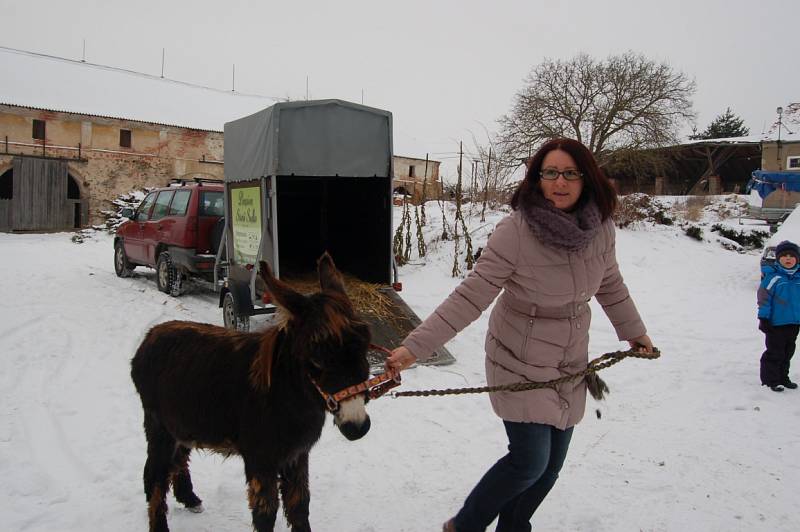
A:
(258, 395)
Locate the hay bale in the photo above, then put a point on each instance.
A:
(367, 298)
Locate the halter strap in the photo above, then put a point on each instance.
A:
(374, 387)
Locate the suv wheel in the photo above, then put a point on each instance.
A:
(168, 278)
(121, 264)
(232, 320)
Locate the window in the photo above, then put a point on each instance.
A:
(411, 171)
(793, 162)
(38, 129)
(211, 204)
(180, 202)
(162, 204)
(125, 138)
(143, 212)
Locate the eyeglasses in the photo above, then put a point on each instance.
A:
(551, 174)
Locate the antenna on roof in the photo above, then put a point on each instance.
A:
(306, 88)
(83, 58)
(163, 53)
(362, 96)
(233, 79)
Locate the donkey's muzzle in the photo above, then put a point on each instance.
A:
(354, 431)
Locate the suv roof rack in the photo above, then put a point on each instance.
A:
(199, 180)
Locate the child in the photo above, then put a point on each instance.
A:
(779, 316)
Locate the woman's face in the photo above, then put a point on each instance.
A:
(564, 194)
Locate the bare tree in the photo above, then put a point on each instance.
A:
(624, 102)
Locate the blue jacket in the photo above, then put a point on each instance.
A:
(779, 296)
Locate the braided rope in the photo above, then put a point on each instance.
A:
(602, 362)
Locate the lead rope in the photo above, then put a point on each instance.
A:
(602, 362)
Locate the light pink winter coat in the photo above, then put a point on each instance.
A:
(539, 328)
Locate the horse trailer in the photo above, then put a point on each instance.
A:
(303, 178)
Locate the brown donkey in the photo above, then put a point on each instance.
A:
(252, 394)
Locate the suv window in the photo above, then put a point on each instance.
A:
(143, 212)
(162, 204)
(211, 204)
(180, 202)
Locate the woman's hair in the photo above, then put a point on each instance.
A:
(596, 185)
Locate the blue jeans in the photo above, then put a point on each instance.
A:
(517, 484)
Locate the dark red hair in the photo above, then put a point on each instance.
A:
(596, 185)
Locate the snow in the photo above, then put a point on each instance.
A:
(94, 89)
(788, 230)
(690, 442)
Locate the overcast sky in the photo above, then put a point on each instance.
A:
(445, 69)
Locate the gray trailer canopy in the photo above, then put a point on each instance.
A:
(309, 138)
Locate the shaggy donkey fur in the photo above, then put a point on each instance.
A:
(251, 394)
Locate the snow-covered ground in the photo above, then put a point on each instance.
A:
(690, 442)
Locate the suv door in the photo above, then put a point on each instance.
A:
(154, 227)
(134, 247)
(173, 226)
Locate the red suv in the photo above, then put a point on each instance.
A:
(175, 230)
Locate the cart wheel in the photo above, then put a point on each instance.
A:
(121, 264)
(168, 278)
(232, 320)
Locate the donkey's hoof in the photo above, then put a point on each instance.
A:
(196, 509)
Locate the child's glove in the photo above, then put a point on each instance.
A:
(763, 324)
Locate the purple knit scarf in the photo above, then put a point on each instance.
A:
(560, 230)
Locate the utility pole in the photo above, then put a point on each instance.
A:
(163, 56)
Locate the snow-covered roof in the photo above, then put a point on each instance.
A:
(58, 84)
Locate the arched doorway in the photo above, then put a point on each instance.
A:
(74, 199)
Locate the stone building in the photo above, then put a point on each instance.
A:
(59, 170)
(410, 177)
(68, 149)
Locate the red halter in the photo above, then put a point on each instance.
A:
(374, 387)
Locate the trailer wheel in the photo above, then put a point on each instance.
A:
(168, 277)
(233, 320)
(122, 267)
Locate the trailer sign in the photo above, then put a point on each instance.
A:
(246, 223)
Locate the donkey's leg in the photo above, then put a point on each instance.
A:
(262, 495)
(182, 481)
(295, 494)
(160, 451)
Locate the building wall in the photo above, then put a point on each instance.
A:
(102, 168)
(770, 159)
(413, 184)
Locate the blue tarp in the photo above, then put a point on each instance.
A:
(766, 183)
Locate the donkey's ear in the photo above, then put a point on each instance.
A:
(329, 276)
(294, 302)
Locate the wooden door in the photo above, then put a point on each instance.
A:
(40, 195)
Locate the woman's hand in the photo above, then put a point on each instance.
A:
(400, 359)
(643, 344)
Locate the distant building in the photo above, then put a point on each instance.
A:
(412, 175)
(68, 149)
(58, 169)
(781, 156)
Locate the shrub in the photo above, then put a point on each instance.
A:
(641, 208)
(750, 240)
(694, 231)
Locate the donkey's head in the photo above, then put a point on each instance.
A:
(328, 339)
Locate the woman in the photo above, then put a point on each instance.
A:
(549, 257)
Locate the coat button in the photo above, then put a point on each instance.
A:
(530, 322)
(580, 307)
(564, 404)
(577, 325)
(583, 294)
